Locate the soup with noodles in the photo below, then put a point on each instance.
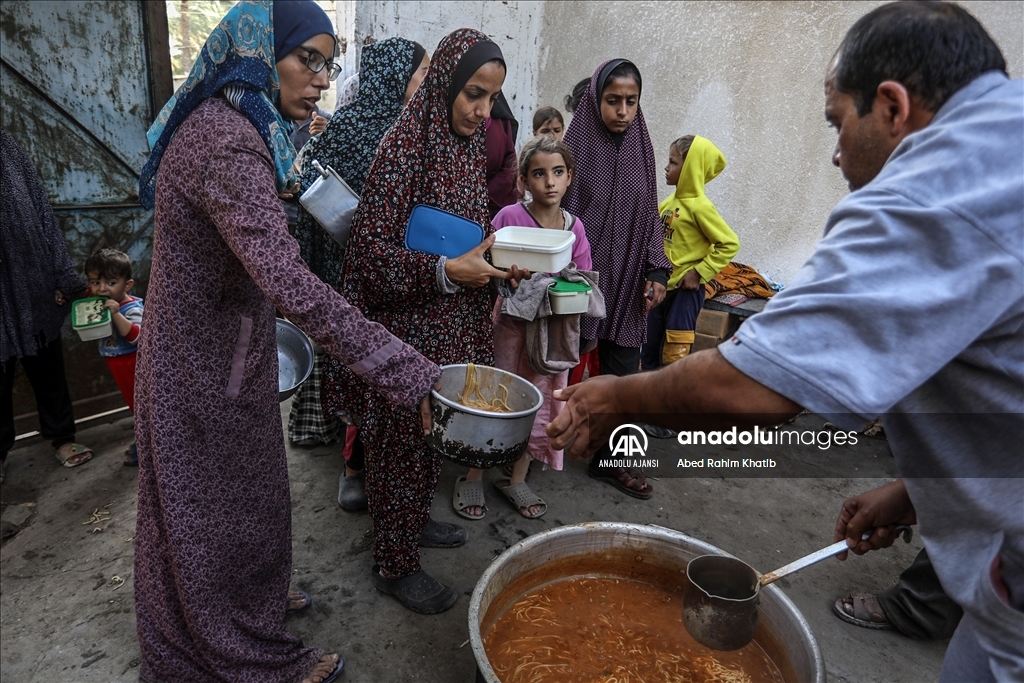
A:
(611, 630)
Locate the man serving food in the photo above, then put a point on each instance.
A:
(911, 308)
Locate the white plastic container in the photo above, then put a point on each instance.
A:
(569, 298)
(538, 249)
(90, 318)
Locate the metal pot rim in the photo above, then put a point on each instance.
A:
(538, 398)
(307, 344)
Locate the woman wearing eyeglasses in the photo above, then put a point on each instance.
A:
(213, 537)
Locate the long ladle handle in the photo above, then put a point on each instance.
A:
(813, 558)
(823, 554)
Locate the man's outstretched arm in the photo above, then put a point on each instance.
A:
(701, 391)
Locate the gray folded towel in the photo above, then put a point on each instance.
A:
(552, 341)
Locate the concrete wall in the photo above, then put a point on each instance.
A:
(749, 77)
(515, 26)
(746, 75)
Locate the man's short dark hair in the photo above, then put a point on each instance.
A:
(109, 263)
(932, 48)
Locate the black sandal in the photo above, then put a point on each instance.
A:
(420, 592)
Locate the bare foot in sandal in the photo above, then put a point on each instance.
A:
(862, 609)
(73, 454)
(526, 501)
(473, 511)
(324, 669)
(518, 474)
(631, 483)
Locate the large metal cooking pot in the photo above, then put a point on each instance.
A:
(619, 549)
(481, 438)
(294, 359)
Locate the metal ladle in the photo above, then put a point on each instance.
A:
(720, 604)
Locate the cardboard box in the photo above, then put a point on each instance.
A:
(704, 341)
(717, 323)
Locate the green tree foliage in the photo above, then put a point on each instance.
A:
(189, 23)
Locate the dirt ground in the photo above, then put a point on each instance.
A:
(66, 611)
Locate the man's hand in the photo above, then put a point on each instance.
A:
(701, 391)
(879, 509)
(59, 297)
(587, 418)
(691, 280)
(654, 294)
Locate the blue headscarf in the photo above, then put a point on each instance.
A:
(239, 58)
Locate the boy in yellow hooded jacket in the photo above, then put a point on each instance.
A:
(698, 242)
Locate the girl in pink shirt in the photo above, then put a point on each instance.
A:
(545, 169)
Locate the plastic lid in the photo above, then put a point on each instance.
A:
(82, 317)
(563, 286)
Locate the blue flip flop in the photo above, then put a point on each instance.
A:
(305, 596)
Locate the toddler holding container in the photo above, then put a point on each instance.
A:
(110, 274)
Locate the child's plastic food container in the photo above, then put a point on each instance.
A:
(568, 298)
(539, 249)
(90, 318)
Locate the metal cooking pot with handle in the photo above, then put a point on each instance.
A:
(481, 438)
(658, 546)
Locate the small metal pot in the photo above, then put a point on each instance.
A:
(721, 601)
(294, 359)
(480, 438)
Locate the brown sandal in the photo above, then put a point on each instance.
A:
(631, 484)
(862, 609)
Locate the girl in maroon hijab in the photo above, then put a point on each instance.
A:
(615, 194)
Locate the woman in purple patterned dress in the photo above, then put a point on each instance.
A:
(213, 538)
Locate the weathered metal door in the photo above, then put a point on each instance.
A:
(81, 82)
